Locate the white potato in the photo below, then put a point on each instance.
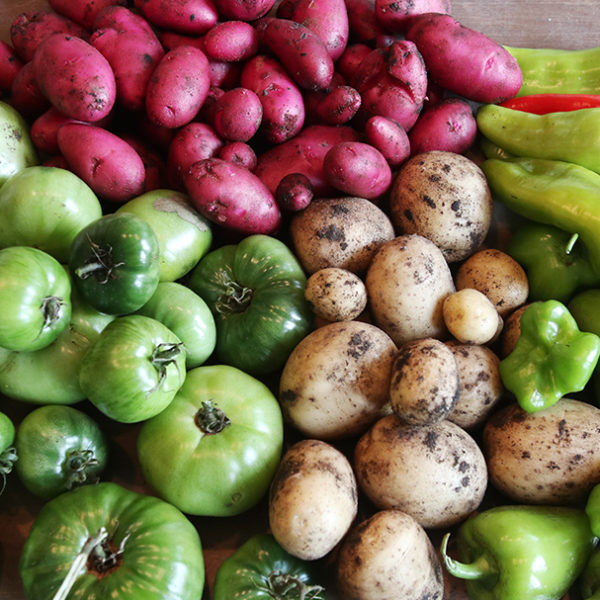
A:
(313, 499)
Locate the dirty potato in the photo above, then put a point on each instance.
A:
(445, 197)
(313, 499)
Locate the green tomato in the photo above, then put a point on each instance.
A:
(255, 290)
(16, 148)
(46, 207)
(8, 453)
(184, 235)
(114, 263)
(51, 375)
(35, 303)
(187, 316)
(214, 450)
(59, 448)
(134, 369)
(262, 569)
(105, 541)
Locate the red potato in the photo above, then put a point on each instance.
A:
(240, 154)
(244, 10)
(155, 135)
(237, 115)
(362, 20)
(132, 52)
(303, 154)
(338, 106)
(25, 94)
(294, 192)
(29, 29)
(281, 99)
(327, 18)
(10, 65)
(83, 12)
(397, 15)
(389, 138)
(347, 63)
(107, 163)
(170, 40)
(122, 20)
(193, 142)
(357, 169)
(449, 125)
(75, 77)
(178, 87)
(232, 197)
(154, 165)
(231, 41)
(190, 17)
(301, 52)
(465, 61)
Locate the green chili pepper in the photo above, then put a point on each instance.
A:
(551, 358)
(551, 192)
(556, 265)
(550, 70)
(572, 136)
(521, 552)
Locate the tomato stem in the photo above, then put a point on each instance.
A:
(164, 355)
(235, 299)
(77, 465)
(7, 461)
(50, 308)
(101, 264)
(211, 419)
(281, 585)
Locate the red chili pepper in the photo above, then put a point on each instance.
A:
(541, 104)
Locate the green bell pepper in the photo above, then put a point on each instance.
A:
(551, 192)
(572, 136)
(261, 568)
(556, 265)
(521, 552)
(551, 358)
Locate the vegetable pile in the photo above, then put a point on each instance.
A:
(334, 263)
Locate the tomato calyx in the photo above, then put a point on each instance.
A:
(163, 355)
(235, 299)
(210, 419)
(76, 466)
(101, 264)
(7, 461)
(281, 585)
(50, 307)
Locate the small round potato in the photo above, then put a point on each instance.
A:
(339, 232)
(497, 275)
(471, 317)
(313, 499)
(389, 556)
(335, 382)
(435, 473)
(336, 294)
(445, 197)
(480, 384)
(424, 383)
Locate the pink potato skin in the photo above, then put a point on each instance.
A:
(83, 12)
(25, 94)
(327, 18)
(294, 192)
(339, 106)
(232, 196)
(231, 41)
(465, 61)
(189, 17)
(107, 163)
(357, 169)
(363, 21)
(301, 52)
(303, 154)
(389, 138)
(29, 29)
(244, 10)
(75, 77)
(154, 165)
(237, 115)
(347, 63)
(449, 125)
(239, 153)
(178, 87)
(281, 99)
(397, 15)
(10, 65)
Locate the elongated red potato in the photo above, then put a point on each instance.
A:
(191, 17)
(231, 196)
(397, 15)
(339, 105)
(75, 77)
(244, 10)
(389, 138)
(107, 163)
(83, 12)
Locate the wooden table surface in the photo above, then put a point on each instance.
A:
(527, 23)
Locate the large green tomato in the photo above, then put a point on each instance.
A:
(184, 235)
(16, 148)
(187, 316)
(256, 292)
(51, 375)
(134, 369)
(46, 207)
(214, 450)
(8, 453)
(114, 263)
(35, 298)
(59, 448)
(110, 542)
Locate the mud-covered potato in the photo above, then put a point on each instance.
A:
(388, 556)
(445, 197)
(335, 382)
(435, 473)
(550, 456)
(339, 232)
(313, 499)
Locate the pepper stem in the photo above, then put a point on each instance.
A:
(572, 240)
(210, 419)
(77, 465)
(7, 461)
(282, 586)
(478, 569)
